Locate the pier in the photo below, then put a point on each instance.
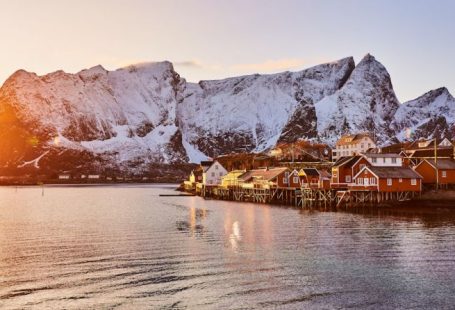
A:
(304, 196)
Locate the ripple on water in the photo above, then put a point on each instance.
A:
(73, 248)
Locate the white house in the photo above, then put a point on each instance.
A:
(213, 173)
(384, 160)
(350, 145)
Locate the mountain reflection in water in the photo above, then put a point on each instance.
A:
(126, 247)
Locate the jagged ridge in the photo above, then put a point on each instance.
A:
(147, 113)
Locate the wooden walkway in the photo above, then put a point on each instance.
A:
(302, 197)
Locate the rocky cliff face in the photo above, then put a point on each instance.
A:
(250, 113)
(127, 115)
(366, 102)
(431, 115)
(142, 115)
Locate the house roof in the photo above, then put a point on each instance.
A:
(310, 171)
(393, 172)
(265, 174)
(428, 143)
(380, 155)
(352, 161)
(206, 164)
(429, 153)
(344, 160)
(442, 163)
(352, 139)
(324, 174)
(396, 148)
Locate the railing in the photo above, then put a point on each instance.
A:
(311, 185)
(363, 187)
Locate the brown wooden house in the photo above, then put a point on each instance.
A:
(387, 179)
(344, 169)
(445, 169)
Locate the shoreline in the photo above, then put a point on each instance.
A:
(89, 184)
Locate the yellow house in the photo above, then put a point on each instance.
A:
(232, 178)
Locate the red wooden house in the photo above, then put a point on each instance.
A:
(293, 180)
(344, 169)
(309, 177)
(445, 168)
(387, 179)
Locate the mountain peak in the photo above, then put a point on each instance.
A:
(150, 66)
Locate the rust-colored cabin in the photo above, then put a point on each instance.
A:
(444, 167)
(387, 179)
(344, 169)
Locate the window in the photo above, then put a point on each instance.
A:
(362, 166)
(373, 160)
(383, 160)
(213, 174)
(400, 180)
(348, 179)
(221, 174)
(394, 160)
(369, 145)
(366, 181)
(373, 181)
(389, 182)
(413, 181)
(360, 181)
(361, 145)
(296, 179)
(285, 180)
(216, 167)
(444, 174)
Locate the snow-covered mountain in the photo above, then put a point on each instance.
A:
(431, 115)
(365, 103)
(125, 115)
(248, 113)
(147, 114)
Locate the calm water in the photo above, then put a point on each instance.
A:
(125, 247)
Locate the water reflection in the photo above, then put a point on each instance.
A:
(193, 224)
(129, 248)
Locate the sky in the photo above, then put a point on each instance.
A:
(212, 39)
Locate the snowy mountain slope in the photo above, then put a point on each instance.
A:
(430, 115)
(366, 102)
(248, 113)
(129, 113)
(146, 114)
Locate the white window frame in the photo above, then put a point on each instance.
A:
(296, 179)
(413, 181)
(347, 179)
(444, 173)
(389, 181)
(400, 180)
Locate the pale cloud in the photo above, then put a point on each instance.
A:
(189, 63)
(271, 65)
